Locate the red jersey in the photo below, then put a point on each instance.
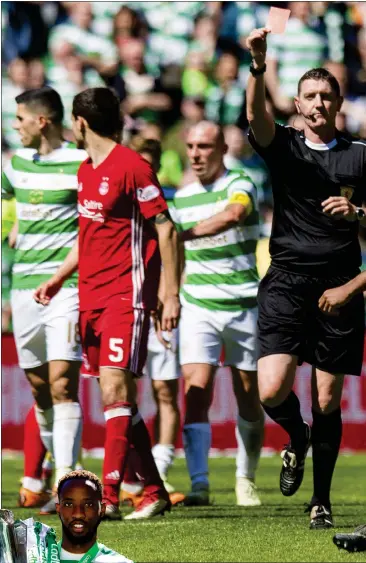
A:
(119, 256)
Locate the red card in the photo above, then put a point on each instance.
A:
(277, 19)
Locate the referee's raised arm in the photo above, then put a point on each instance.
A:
(260, 121)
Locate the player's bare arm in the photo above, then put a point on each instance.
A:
(168, 246)
(47, 290)
(234, 214)
(340, 207)
(261, 122)
(338, 296)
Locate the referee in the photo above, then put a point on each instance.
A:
(318, 180)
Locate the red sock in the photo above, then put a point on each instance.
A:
(116, 448)
(34, 450)
(133, 467)
(142, 443)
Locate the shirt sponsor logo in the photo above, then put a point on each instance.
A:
(91, 204)
(347, 192)
(91, 209)
(104, 186)
(204, 242)
(147, 194)
(35, 214)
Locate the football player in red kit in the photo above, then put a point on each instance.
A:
(125, 232)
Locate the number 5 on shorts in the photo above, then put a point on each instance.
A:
(115, 345)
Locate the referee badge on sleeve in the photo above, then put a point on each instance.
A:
(347, 192)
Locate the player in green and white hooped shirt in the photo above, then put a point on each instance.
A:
(42, 177)
(81, 509)
(217, 218)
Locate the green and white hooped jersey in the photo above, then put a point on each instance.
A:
(220, 270)
(297, 50)
(45, 189)
(103, 555)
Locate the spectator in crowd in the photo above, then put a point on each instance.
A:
(353, 115)
(127, 24)
(303, 46)
(74, 37)
(195, 76)
(204, 37)
(13, 84)
(192, 111)
(141, 93)
(25, 31)
(240, 154)
(170, 168)
(37, 74)
(171, 25)
(224, 99)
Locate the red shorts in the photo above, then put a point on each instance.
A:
(114, 337)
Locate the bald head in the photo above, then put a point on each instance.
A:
(209, 130)
(205, 149)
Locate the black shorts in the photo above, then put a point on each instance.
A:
(290, 322)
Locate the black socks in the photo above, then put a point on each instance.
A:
(288, 415)
(326, 440)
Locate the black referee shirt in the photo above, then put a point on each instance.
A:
(304, 240)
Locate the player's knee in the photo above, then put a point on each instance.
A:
(272, 395)
(64, 388)
(165, 394)
(198, 402)
(40, 389)
(42, 396)
(113, 393)
(325, 403)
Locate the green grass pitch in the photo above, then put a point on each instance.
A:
(277, 531)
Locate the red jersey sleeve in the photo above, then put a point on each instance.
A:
(148, 193)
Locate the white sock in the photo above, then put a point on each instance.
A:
(249, 437)
(34, 485)
(197, 442)
(133, 488)
(164, 456)
(45, 423)
(67, 428)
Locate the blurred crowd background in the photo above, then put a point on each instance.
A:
(173, 64)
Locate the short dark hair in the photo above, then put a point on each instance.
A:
(100, 107)
(320, 74)
(81, 475)
(149, 146)
(47, 98)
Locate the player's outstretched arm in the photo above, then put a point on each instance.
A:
(261, 122)
(47, 290)
(334, 298)
(169, 252)
(231, 216)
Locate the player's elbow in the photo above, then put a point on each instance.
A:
(167, 232)
(236, 215)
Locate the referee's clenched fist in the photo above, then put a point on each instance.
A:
(256, 42)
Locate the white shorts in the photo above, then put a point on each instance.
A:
(205, 334)
(162, 364)
(43, 334)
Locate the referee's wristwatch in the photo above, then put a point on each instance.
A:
(257, 71)
(360, 213)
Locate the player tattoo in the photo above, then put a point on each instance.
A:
(162, 218)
